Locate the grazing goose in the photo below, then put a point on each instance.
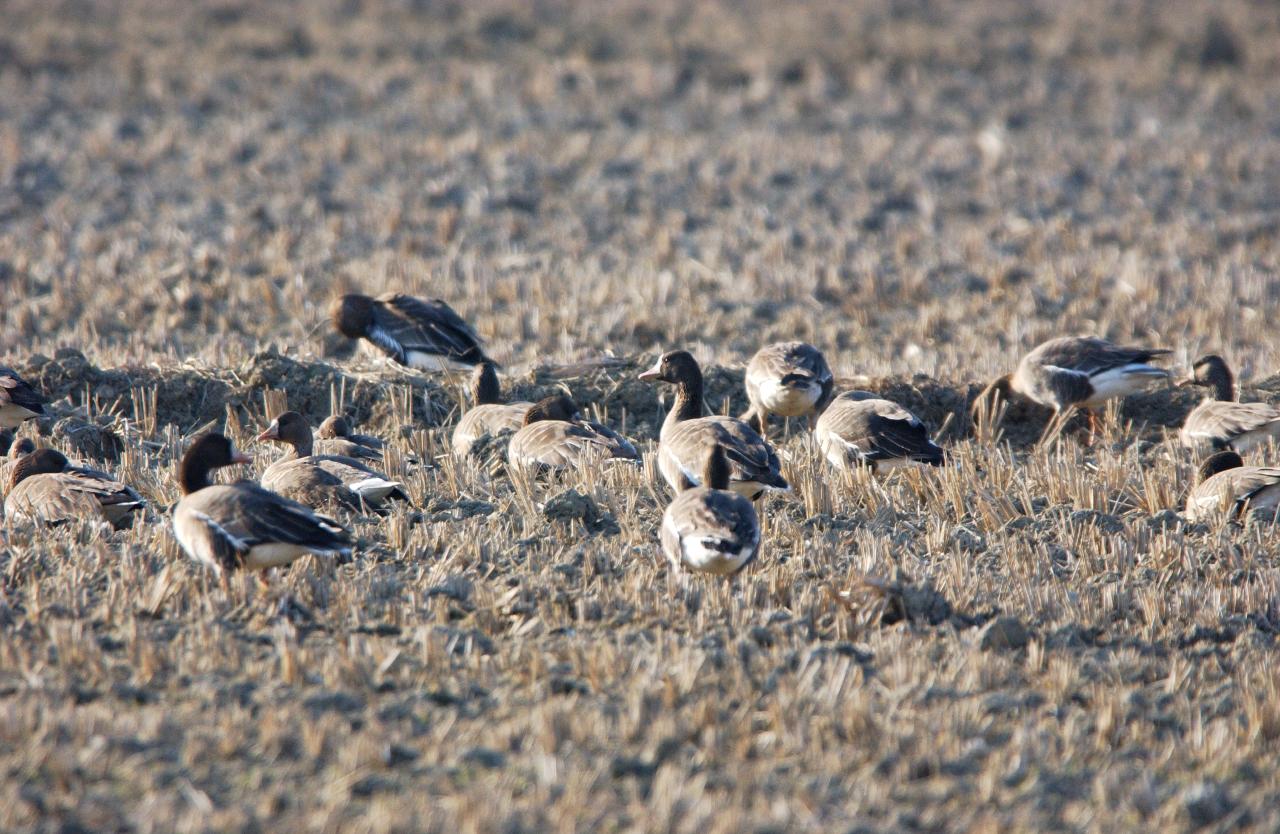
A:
(319, 479)
(860, 429)
(18, 400)
(687, 436)
(1076, 372)
(488, 415)
(1226, 483)
(790, 379)
(554, 436)
(242, 525)
(427, 335)
(44, 487)
(1220, 422)
(710, 529)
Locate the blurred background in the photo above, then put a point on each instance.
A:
(912, 186)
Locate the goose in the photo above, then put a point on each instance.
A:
(554, 436)
(423, 334)
(18, 400)
(243, 525)
(687, 436)
(44, 487)
(334, 437)
(488, 415)
(790, 379)
(1219, 421)
(21, 446)
(1226, 483)
(860, 429)
(710, 529)
(1076, 372)
(320, 479)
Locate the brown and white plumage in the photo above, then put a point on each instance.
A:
(1220, 422)
(321, 480)
(242, 525)
(790, 379)
(18, 400)
(1077, 372)
(687, 435)
(554, 436)
(488, 415)
(860, 429)
(1227, 484)
(419, 333)
(709, 529)
(44, 487)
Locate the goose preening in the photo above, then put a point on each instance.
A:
(790, 379)
(488, 414)
(554, 436)
(710, 529)
(1226, 483)
(860, 429)
(18, 400)
(1076, 372)
(687, 436)
(414, 332)
(1221, 422)
(318, 480)
(44, 487)
(243, 525)
(334, 436)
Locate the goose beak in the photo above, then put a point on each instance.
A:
(653, 374)
(1186, 383)
(271, 432)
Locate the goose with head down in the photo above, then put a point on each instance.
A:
(710, 529)
(790, 379)
(554, 436)
(425, 334)
(1220, 421)
(44, 487)
(687, 436)
(242, 525)
(318, 480)
(1076, 372)
(1227, 484)
(859, 428)
(18, 400)
(488, 415)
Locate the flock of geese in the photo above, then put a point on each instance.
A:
(718, 466)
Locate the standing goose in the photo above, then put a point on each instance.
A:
(790, 379)
(1219, 421)
(18, 400)
(242, 525)
(314, 479)
(423, 334)
(710, 529)
(687, 436)
(1076, 372)
(45, 488)
(1226, 483)
(488, 414)
(554, 436)
(860, 429)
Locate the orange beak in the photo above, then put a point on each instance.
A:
(271, 432)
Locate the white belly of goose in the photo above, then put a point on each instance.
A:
(788, 400)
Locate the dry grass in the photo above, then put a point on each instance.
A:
(918, 189)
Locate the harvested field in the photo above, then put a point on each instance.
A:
(1028, 639)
